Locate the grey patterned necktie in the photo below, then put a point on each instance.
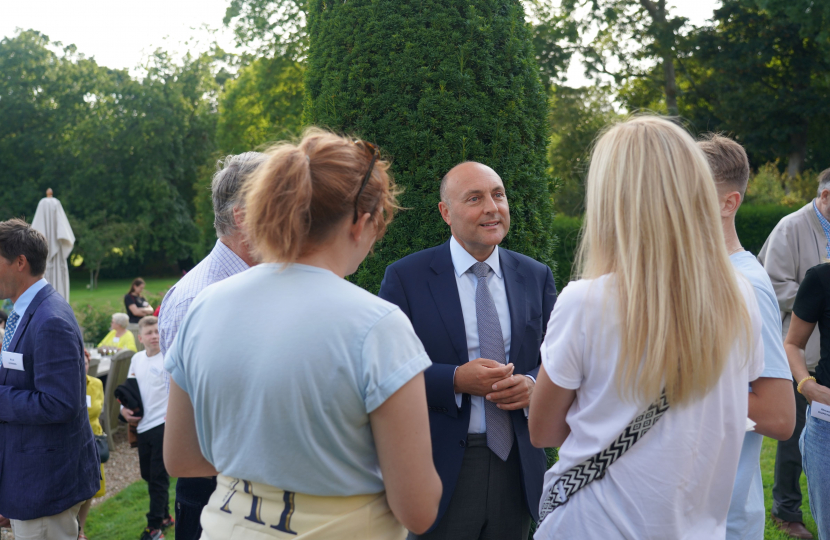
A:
(491, 341)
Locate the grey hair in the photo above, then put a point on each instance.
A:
(226, 186)
(121, 319)
(823, 181)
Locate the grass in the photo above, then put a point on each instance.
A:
(767, 468)
(122, 516)
(110, 292)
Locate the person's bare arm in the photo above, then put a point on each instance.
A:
(137, 311)
(182, 456)
(772, 407)
(130, 416)
(797, 336)
(401, 430)
(548, 410)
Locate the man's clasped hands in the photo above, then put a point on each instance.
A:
(494, 381)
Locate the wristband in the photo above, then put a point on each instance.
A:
(801, 383)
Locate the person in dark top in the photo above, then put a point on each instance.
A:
(137, 306)
(811, 307)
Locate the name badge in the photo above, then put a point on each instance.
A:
(13, 360)
(820, 411)
(88, 402)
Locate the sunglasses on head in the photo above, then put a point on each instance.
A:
(375, 156)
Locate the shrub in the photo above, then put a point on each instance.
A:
(566, 230)
(95, 321)
(754, 223)
(435, 83)
(773, 187)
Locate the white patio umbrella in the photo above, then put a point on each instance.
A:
(51, 221)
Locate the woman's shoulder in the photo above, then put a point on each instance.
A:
(586, 290)
(821, 271)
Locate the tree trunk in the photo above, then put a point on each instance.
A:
(671, 84)
(798, 152)
(97, 271)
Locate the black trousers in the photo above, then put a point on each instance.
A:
(488, 502)
(786, 491)
(151, 462)
(192, 495)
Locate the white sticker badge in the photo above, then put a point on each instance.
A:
(13, 360)
(820, 411)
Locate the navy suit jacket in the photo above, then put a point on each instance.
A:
(48, 457)
(424, 286)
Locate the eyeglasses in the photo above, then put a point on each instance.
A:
(375, 155)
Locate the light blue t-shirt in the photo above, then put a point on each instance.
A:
(283, 369)
(746, 517)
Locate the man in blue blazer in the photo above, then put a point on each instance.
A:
(481, 313)
(48, 457)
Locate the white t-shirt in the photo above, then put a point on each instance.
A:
(284, 367)
(674, 483)
(149, 373)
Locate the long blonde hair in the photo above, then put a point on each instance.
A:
(652, 219)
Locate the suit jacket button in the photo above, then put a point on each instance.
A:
(462, 443)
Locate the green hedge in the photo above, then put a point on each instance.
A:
(753, 223)
(435, 83)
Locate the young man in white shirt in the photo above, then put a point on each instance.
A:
(147, 367)
(771, 398)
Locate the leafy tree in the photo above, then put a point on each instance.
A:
(270, 27)
(435, 83)
(264, 103)
(101, 242)
(105, 141)
(577, 115)
(763, 76)
(629, 37)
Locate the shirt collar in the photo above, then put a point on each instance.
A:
(26, 298)
(462, 260)
(230, 260)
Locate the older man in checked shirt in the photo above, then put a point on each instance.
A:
(230, 256)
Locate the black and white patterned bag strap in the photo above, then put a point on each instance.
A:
(594, 467)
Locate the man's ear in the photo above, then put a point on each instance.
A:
(730, 203)
(444, 208)
(238, 217)
(20, 262)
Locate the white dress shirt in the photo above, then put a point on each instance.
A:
(467, 283)
(26, 298)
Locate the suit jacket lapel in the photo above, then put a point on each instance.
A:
(514, 284)
(30, 311)
(444, 289)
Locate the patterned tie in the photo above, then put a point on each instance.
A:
(491, 341)
(11, 325)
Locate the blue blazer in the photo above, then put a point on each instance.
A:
(48, 457)
(423, 285)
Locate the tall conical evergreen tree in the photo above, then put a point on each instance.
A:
(435, 83)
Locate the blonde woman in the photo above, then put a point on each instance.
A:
(659, 308)
(310, 400)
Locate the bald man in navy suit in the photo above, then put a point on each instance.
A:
(481, 313)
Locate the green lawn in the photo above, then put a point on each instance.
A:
(767, 466)
(111, 291)
(122, 516)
